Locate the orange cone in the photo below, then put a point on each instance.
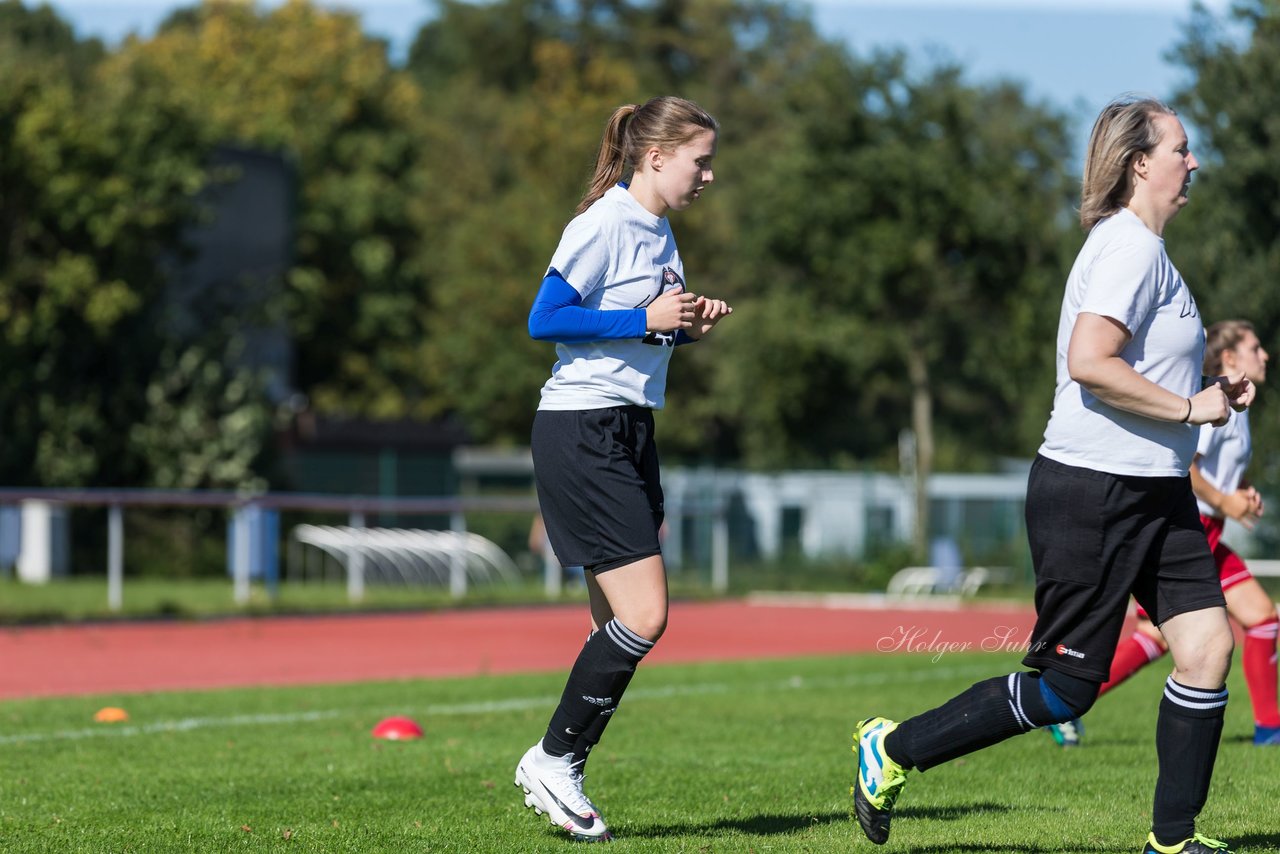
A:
(110, 715)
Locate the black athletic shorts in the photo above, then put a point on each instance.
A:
(597, 476)
(1097, 537)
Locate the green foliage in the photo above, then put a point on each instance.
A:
(894, 239)
(1224, 240)
(97, 183)
(309, 83)
(36, 34)
(908, 239)
(202, 425)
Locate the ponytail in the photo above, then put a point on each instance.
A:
(611, 160)
(666, 122)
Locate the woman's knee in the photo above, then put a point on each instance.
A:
(655, 627)
(648, 623)
(1206, 652)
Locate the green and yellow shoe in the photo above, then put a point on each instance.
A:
(880, 779)
(1197, 844)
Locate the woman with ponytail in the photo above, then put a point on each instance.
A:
(614, 302)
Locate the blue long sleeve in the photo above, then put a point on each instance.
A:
(558, 315)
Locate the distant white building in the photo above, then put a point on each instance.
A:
(822, 514)
(827, 514)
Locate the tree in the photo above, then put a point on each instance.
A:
(1224, 241)
(37, 35)
(910, 237)
(94, 191)
(311, 85)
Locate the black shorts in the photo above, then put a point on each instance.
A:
(597, 476)
(1097, 537)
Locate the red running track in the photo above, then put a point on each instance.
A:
(160, 656)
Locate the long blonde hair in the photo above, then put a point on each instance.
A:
(1220, 337)
(666, 122)
(1125, 128)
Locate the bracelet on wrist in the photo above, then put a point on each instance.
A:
(1186, 418)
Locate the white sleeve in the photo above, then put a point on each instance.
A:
(1122, 283)
(1209, 441)
(583, 256)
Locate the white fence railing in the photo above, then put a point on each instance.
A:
(363, 553)
(401, 555)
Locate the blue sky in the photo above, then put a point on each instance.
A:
(1075, 54)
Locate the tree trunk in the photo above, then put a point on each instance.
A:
(922, 424)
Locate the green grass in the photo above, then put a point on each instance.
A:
(81, 598)
(742, 757)
(85, 598)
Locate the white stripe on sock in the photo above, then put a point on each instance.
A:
(1015, 703)
(1194, 698)
(1264, 630)
(627, 640)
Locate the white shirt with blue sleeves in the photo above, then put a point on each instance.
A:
(616, 255)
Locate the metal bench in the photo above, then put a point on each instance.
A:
(916, 581)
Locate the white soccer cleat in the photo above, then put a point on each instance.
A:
(553, 786)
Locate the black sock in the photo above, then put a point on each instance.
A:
(987, 713)
(1187, 734)
(602, 672)
(591, 735)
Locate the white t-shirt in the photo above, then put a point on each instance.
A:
(617, 255)
(1122, 272)
(1224, 455)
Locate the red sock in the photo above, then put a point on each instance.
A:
(1132, 654)
(1260, 671)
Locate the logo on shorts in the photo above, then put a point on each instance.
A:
(1063, 649)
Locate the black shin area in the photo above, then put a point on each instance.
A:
(602, 672)
(988, 713)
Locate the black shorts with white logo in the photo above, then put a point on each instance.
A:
(597, 476)
(1097, 537)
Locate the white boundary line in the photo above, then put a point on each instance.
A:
(492, 707)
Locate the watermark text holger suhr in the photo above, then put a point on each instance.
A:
(918, 639)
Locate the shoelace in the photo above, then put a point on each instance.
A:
(890, 788)
(571, 791)
(1211, 843)
(579, 779)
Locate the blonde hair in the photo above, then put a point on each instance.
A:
(1125, 127)
(1220, 337)
(666, 122)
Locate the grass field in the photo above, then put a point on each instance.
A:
(737, 757)
(85, 598)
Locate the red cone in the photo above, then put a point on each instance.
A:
(397, 729)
